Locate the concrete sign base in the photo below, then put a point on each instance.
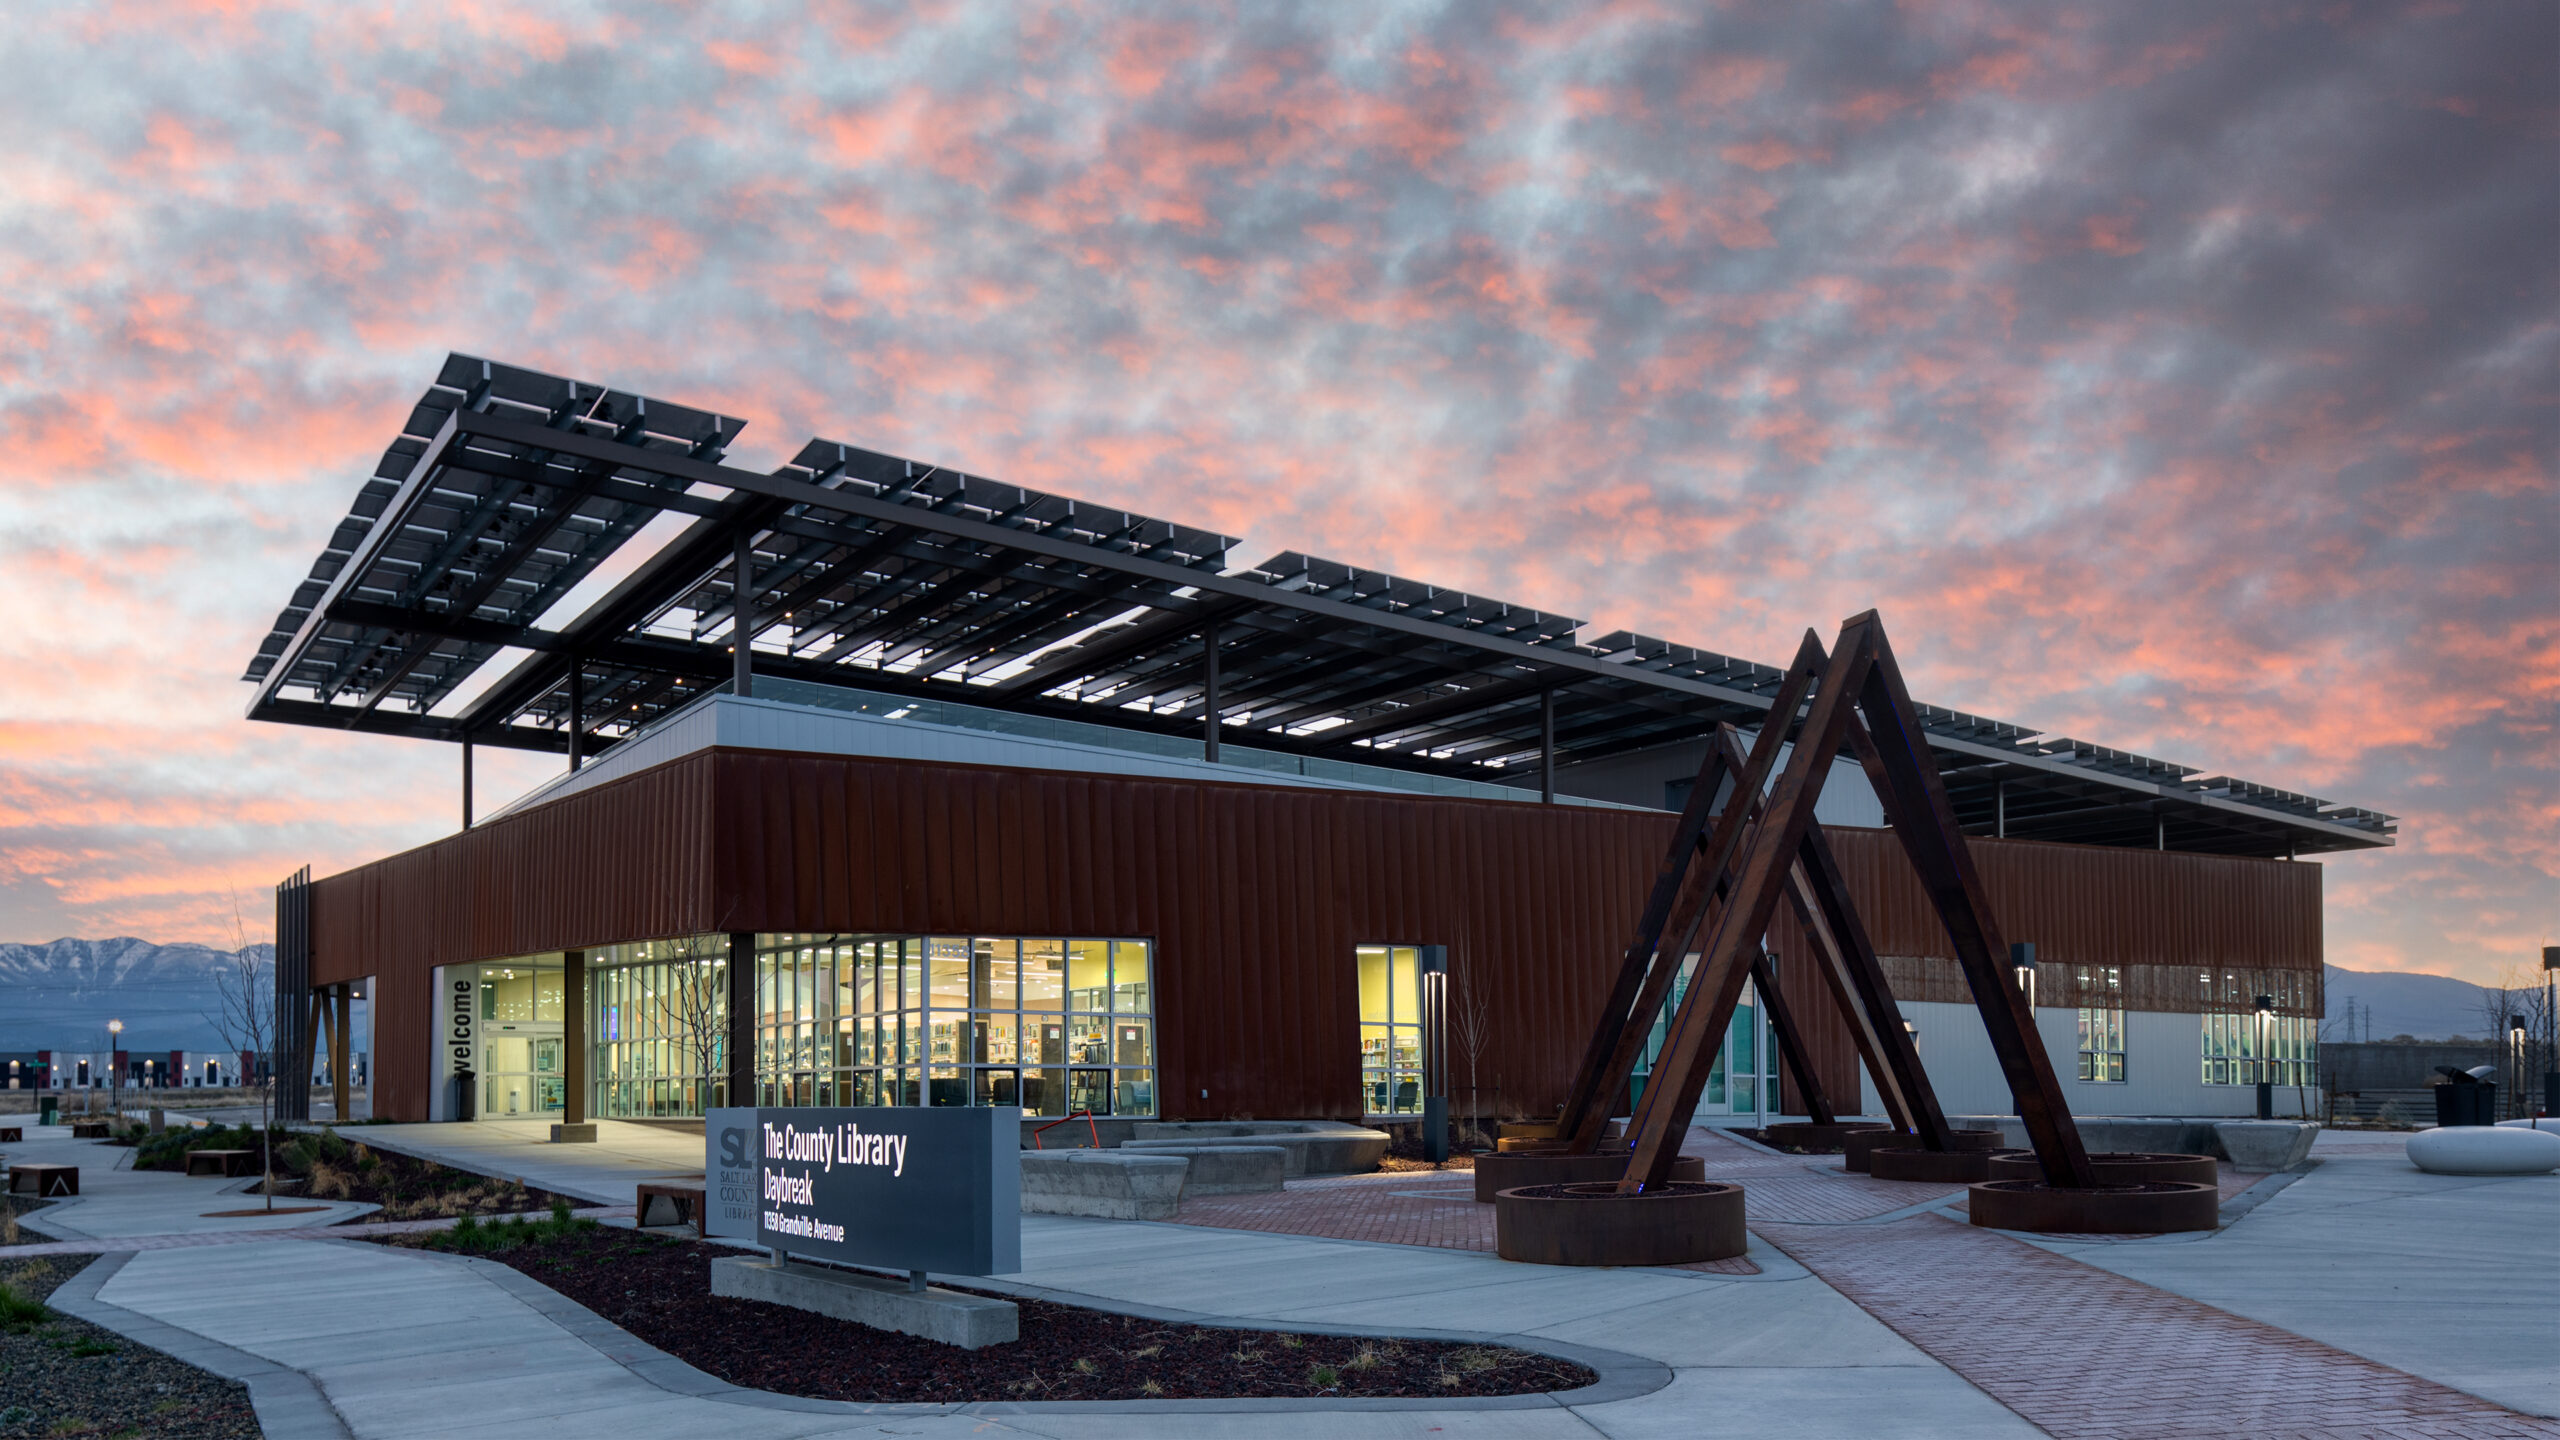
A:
(968, 1321)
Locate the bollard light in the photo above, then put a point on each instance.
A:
(2266, 1079)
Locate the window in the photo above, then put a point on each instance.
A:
(2241, 1048)
(2101, 993)
(660, 1030)
(1390, 1029)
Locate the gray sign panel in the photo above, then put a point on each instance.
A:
(902, 1187)
(729, 1186)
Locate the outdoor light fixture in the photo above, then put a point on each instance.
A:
(115, 1070)
(2266, 1081)
(1434, 963)
(2023, 956)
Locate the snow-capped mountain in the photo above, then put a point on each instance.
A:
(60, 995)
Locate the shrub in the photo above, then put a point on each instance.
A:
(17, 1312)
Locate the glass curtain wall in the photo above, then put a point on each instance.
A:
(661, 1017)
(1390, 1029)
(2240, 1048)
(1742, 1079)
(1053, 1025)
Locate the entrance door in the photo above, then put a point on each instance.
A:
(524, 1078)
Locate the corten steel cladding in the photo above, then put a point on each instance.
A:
(1497, 1173)
(2149, 1209)
(1857, 1146)
(1940, 1167)
(1675, 1224)
(1254, 896)
(2115, 1168)
(1826, 1138)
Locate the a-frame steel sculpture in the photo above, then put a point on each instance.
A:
(1857, 699)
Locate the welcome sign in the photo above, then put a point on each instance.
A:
(899, 1187)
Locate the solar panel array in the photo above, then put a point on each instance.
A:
(508, 488)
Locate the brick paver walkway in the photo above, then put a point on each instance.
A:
(2082, 1352)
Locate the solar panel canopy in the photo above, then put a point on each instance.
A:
(484, 586)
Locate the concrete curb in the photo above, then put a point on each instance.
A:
(1622, 1376)
(290, 1406)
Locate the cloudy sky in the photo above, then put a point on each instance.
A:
(2178, 377)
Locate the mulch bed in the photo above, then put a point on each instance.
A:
(660, 1290)
(61, 1377)
(329, 1166)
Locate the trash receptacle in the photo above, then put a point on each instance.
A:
(2463, 1099)
(462, 1095)
(48, 1111)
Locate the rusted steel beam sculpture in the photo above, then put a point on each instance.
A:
(1791, 1048)
(1683, 892)
(1859, 681)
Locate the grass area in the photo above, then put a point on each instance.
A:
(472, 1236)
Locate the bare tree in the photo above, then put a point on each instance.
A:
(697, 1006)
(1472, 1017)
(245, 1018)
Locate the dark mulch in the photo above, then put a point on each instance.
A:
(1394, 1164)
(660, 1290)
(1608, 1190)
(61, 1377)
(329, 1166)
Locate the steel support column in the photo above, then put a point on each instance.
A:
(577, 714)
(742, 1019)
(1547, 746)
(1209, 691)
(742, 670)
(466, 782)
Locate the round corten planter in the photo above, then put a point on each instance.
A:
(1857, 1145)
(1592, 1224)
(1497, 1173)
(1825, 1139)
(1535, 1131)
(2155, 1208)
(2114, 1168)
(1944, 1167)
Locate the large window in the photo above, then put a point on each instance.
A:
(2242, 1047)
(1053, 1025)
(1742, 1079)
(2101, 1022)
(661, 1026)
(1390, 1029)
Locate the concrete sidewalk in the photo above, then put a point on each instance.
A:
(2453, 1278)
(117, 1201)
(401, 1344)
(607, 1172)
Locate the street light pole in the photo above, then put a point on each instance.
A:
(2266, 1083)
(115, 1069)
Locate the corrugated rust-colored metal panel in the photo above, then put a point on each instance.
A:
(1254, 896)
(623, 861)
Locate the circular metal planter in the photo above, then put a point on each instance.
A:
(1942, 1167)
(2115, 1168)
(1857, 1145)
(1510, 1171)
(1822, 1139)
(2156, 1208)
(1592, 1224)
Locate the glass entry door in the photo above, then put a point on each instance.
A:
(524, 1078)
(1743, 1080)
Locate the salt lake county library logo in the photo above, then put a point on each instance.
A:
(893, 1186)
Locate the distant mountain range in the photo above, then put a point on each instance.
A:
(60, 995)
(2422, 1007)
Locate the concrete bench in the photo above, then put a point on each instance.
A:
(225, 1163)
(2254, 1145)
(88, 1129)
(1227, 1169)
(1313, 1149)
(1104, 1184)
(668, 1202)
(44, 1181)
(13, 1134)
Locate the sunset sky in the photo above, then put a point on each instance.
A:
(2177, 377)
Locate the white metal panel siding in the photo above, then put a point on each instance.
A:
(2163, 1070)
